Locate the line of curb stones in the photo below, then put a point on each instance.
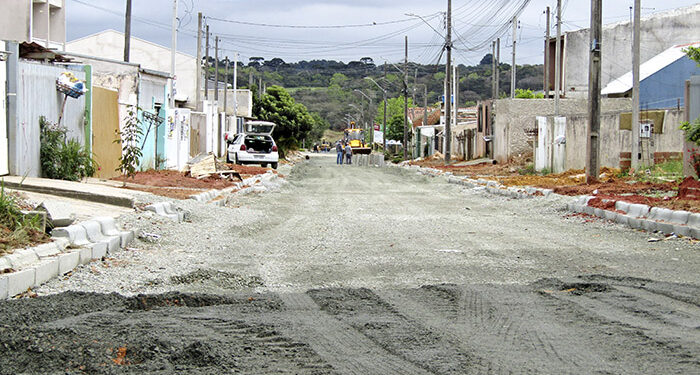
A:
(490, 186)
(635, 216)
(166, 209)
(72, 246)
(249, 185)
(643, 217)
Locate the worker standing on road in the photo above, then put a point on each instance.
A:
(348, 154)
(339, 149)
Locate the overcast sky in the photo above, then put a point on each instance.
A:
(475, 24)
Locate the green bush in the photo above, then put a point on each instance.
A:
(61, 158)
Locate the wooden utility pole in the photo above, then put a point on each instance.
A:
(415, 84)
(405, 101)
(513, 69)
(127, 31)
(173, 52)
(235, 91)
(225, 84)
(593, 149)
(546, 57)
(448, 96)
(498, 67)
(385, 104)
(557, 62)
(216, 68)
(493, 70)
(198, 79)
(425, 105)
(635, 86)
(206, 66)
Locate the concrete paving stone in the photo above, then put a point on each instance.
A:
(622, 206)
(599, 212)
(638, 210)
(664, 227)
(94, 234)
(18, 282)
(694, 220)
(695, 233)
(109, 228)
(660, 213)
(610, 215)
(621, 219)
(648, 225)
(46, 250)
(98, 250)
(76, 234)
(85, 255)
(680, 217)
(45, 270)
(634, 222)
(3, 286)
(589, 210)
(22, 258)
(68, 261)
(59, 214)
(5, 265)
(681, 230)
(61, 242)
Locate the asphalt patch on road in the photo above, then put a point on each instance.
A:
(589, 324)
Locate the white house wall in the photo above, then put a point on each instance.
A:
(110, 44)
(37, 96)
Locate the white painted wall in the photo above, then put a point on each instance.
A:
(110, 44)
(4, 166)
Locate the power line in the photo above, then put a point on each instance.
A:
(311, 26)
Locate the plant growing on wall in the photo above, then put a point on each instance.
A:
(129, 138)
(62, 158)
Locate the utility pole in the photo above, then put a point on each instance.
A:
(198, 79)
(216, 68)
(546, 58)
(405, 101)
(448, 96)
(173, 52)
(557, 62)
(225, 84)
(206, 67)
(635, 86)
(415, 84)
(425, 105)
(493, 70)
(235, 92)
(127, 31)
(498, 67)
(455, 90)
(385, 103)
(513, 69)
(593, 162)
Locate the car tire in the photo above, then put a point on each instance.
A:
(264, 165)
(274, 165)
(235, 158)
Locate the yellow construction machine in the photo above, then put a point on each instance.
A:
(356, 138)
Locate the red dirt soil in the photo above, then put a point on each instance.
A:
(175, 179)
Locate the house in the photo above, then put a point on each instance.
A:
(658, 32)
(120, 87)
(40, 21)
(109, 44)
(662, 80)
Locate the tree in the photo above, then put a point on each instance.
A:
(256, 61)
(693, 53)
(487, 60)
(394, 129)
(367, 61)
(394, 108)
(292, 119)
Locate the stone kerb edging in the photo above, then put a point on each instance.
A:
(489, 186)
(371, 160)
(166, 209)
(72, 246)
(643, 217)
(254, 184)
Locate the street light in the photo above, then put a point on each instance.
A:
(384, 92)
(369, 117)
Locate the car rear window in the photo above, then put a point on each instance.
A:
(258, 143)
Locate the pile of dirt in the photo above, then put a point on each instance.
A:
(167, 178)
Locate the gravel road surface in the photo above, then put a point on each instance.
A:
(369, 271)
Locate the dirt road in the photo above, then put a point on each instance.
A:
(370, 271)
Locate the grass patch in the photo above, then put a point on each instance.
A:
(16, 229)
(669, 171)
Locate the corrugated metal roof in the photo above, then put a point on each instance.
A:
(646, 70)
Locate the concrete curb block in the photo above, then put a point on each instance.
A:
(642, 217)
(164, 209)
(46, 261)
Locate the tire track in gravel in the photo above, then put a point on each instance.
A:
(339, 344)
(502, 338)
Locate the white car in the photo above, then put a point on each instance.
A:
(255, 146)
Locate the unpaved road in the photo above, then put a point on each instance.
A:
(368, 271)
